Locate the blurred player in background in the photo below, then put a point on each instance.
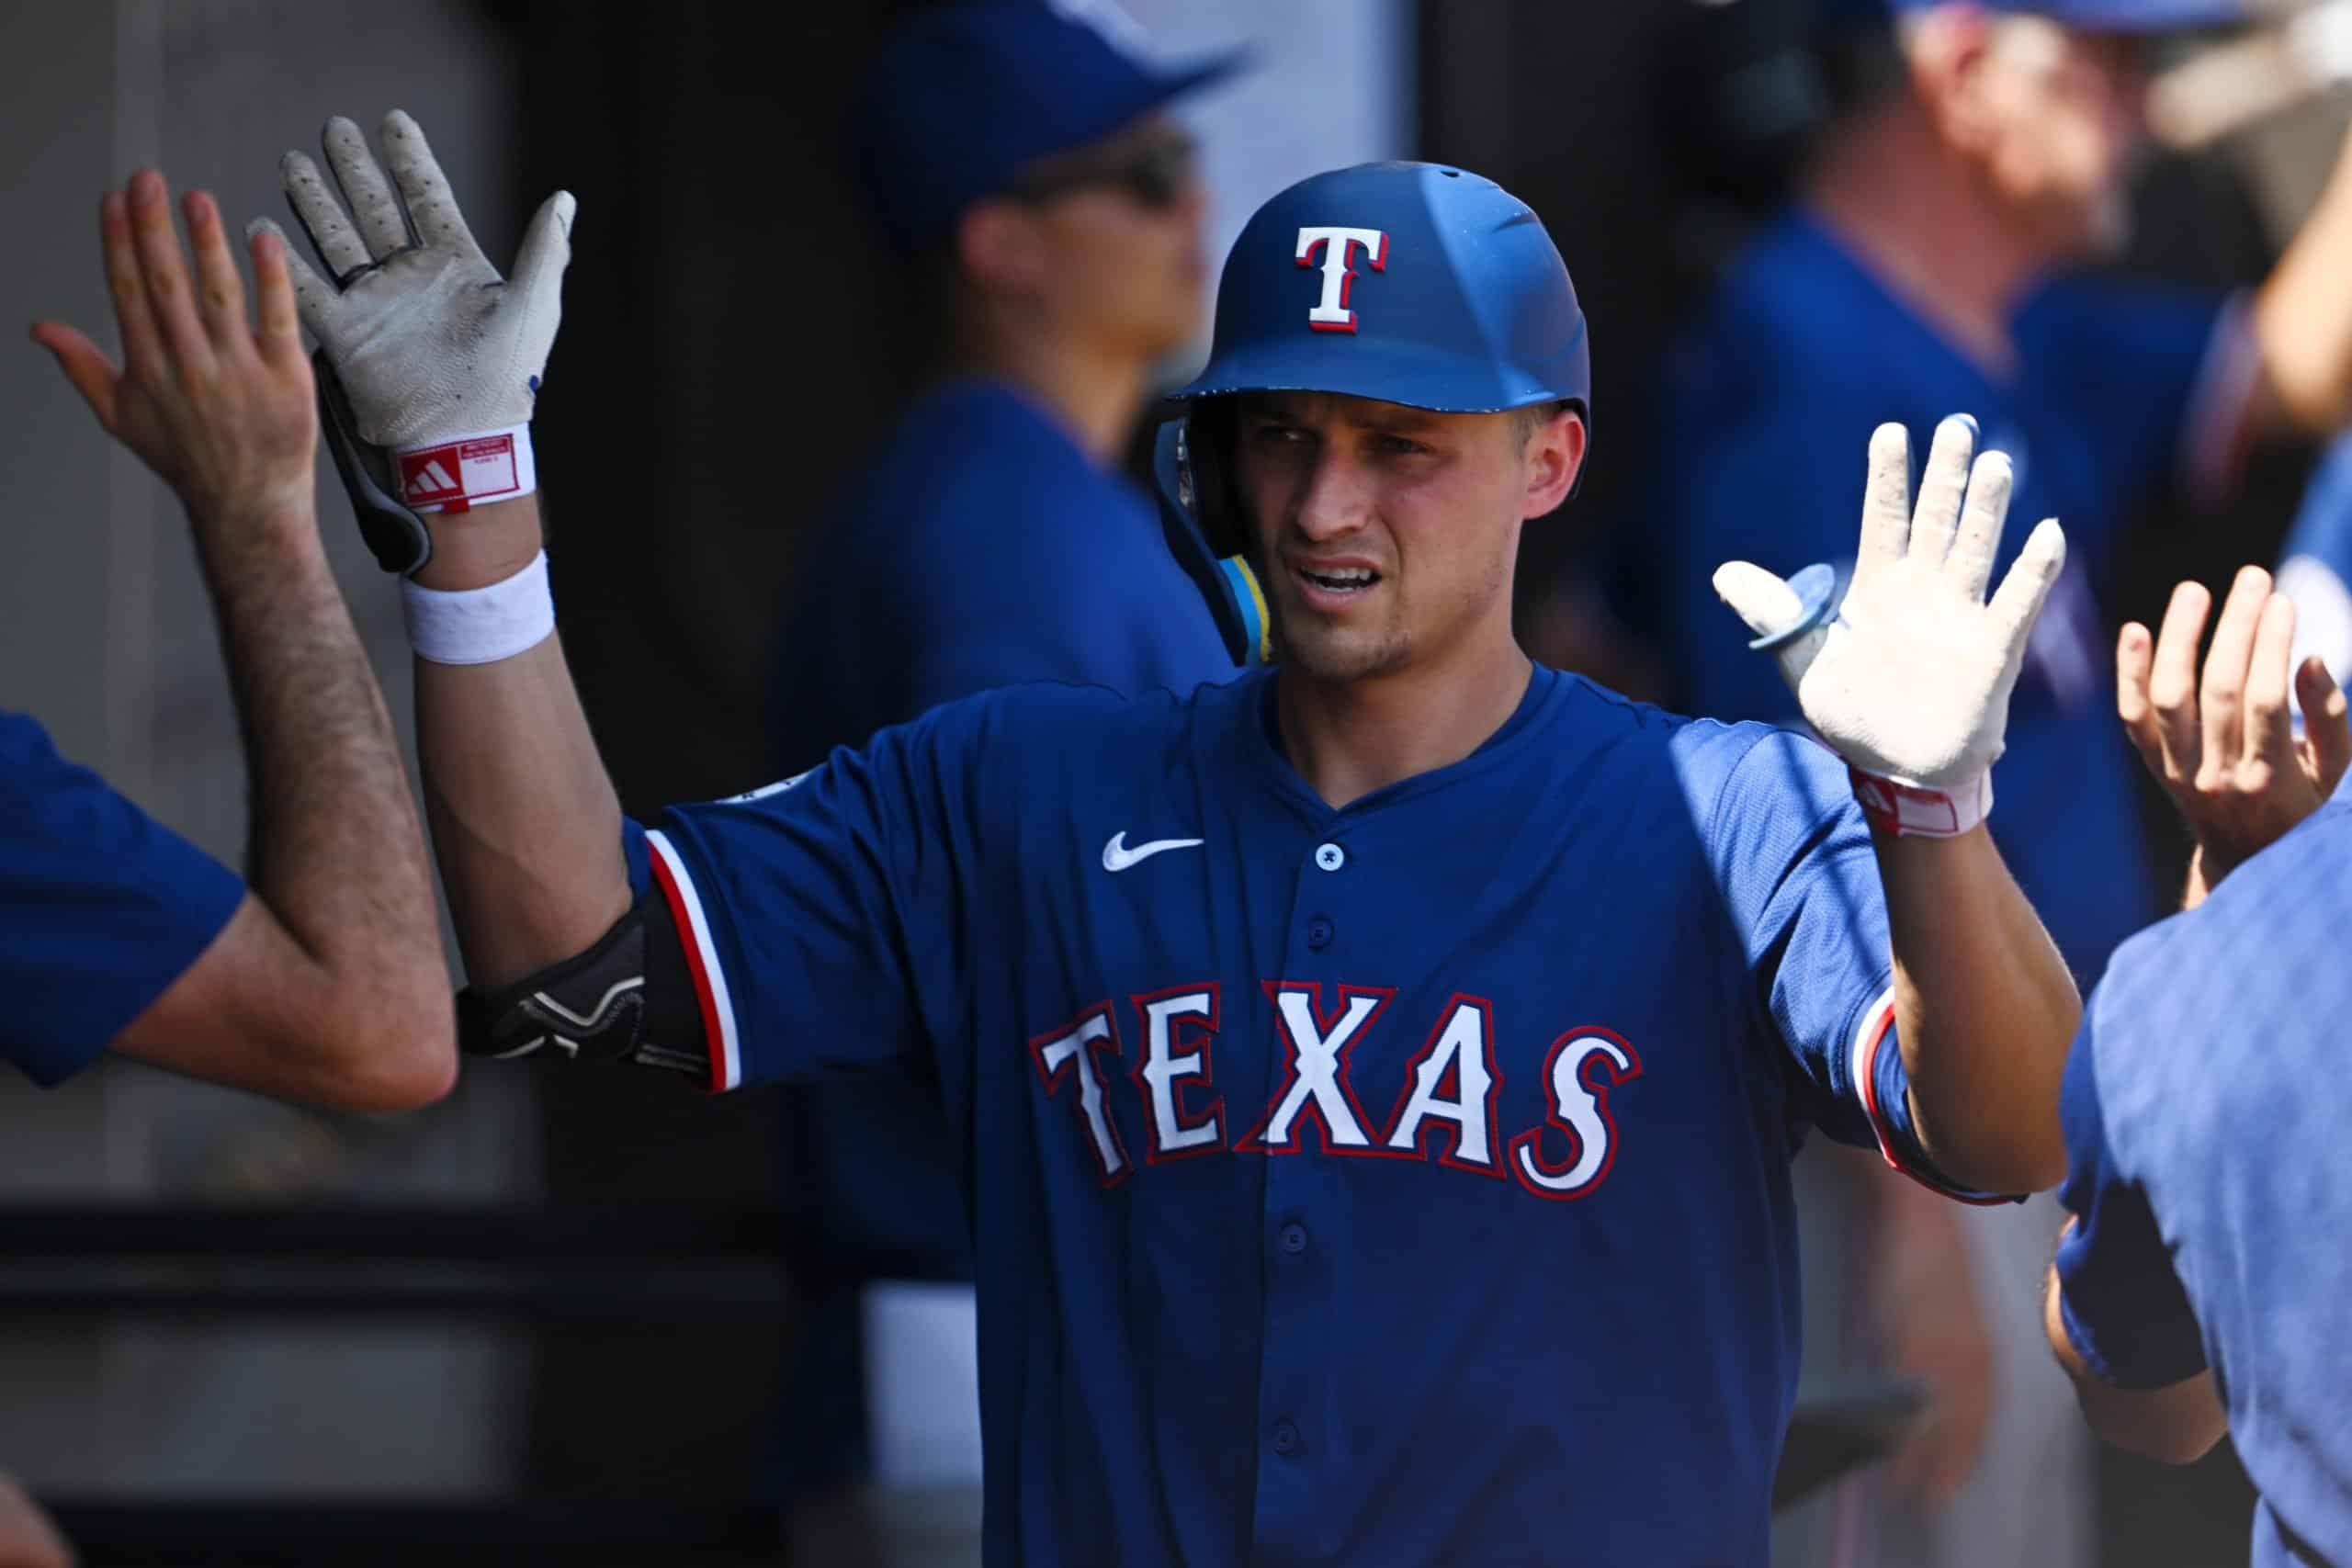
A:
(2199, 1286)
(1978, 151)
(323, 981)
(1049, 210)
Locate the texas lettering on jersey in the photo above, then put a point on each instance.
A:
(1444, 1109)
(1142, 962)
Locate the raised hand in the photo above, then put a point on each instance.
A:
(429, 340)
(2223, 745)
(219, 405)
(1910, 680)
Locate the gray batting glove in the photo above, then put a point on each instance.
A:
(437, 357)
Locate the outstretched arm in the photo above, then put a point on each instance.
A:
(526, 826)
(1910, 682)
(2301, 319)
(437, 361)
(1984, 1008)
(327, 985)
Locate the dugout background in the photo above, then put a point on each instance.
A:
(733, 339)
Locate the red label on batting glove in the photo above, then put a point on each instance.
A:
(1903, 808)
(454, 475)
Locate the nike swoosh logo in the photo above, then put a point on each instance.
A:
(1117, 856)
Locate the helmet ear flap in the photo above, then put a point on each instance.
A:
(1205, 470)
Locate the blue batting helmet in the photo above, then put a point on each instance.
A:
(1412, 282)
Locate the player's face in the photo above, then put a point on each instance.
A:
(2066, 112)
(1387, 535)
(1121, 225)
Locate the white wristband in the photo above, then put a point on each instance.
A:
(480, 626)
(460, 472)
(1903, 808)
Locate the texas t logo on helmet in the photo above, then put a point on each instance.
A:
(1339, 247)
(1479, 318)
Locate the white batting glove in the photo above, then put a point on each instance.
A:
(1910, 680)
(438, 357)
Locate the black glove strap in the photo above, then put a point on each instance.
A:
(396, 535)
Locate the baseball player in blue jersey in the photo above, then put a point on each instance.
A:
(324, 980)
(1372, 1079)
(2196, 1290)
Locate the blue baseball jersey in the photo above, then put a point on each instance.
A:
(2204, 1107)
(1768, 404)
(980, 548)
(1401, 1183)
(101, 907)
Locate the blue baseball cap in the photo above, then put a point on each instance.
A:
(1413, 283)
(964, 96)
(2088, 15)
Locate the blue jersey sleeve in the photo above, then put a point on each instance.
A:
(1790, 853)
(2122, 1303)
(101, 907)
(830, 920)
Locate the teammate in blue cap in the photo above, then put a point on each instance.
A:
(1372, 1079)
(1983, 150)
(1050, 211)
(324, 980)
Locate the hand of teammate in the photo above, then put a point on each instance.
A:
(220, 406)
(1910, 682)
(429, 343)
(27, 1537)
(2223, 745)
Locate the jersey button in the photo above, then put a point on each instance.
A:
(1319, 933)
(1285, 1438)
(1294, 1237)
(1330, 857)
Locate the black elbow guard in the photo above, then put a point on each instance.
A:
(628, 998)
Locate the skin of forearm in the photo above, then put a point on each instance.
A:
(1984, 1009)
(525, 824)
(2177, 1424)
(2302, 317)
(335, 847)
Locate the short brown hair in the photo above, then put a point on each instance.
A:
(1535, 416)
